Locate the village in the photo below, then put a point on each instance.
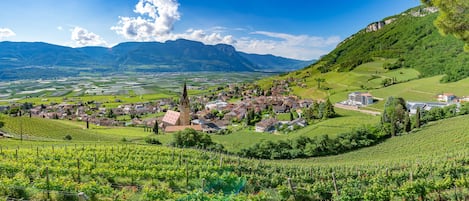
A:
(271, 110)
(208, 113)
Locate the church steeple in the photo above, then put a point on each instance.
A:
(184, 106)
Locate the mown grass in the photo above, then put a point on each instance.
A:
(365, 77)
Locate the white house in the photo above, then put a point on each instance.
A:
(360, 98)
(446, 97)
(218, 105)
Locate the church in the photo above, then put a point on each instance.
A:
(174, 121)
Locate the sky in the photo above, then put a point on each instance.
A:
(299, 29)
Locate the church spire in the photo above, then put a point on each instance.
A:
(184, 107)
(184, 92)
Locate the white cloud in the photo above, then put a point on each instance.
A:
(303, 47)
(205, 37)
(6, 32)
(157, 20)
(83, 37)
(60, 28)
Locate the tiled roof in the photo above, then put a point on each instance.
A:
(171, 117)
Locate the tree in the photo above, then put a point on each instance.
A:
(191, 138)
(308, 113)
(155, 127)
(417, 118)
(110, 114)
(328, 110)
(453, 18)
(319, 80)
(394, 116)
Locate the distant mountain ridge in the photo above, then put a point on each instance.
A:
(29, 60)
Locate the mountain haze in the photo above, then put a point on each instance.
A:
(29, 60)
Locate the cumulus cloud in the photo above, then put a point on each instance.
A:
(156, 21)
(83, 37)
(302, 47)
(6, 32)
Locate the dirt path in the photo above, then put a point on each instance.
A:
(353, 108)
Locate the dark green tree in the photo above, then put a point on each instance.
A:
(319, 81)
(417, 118)
(407, 124)
(393, 117)
(308, 113)
(155, 127)
(328, 110)
(110, 114)
(453, 18)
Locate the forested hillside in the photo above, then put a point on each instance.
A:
(412, 39)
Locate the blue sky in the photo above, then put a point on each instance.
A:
(301, 29)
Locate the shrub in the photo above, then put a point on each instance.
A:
(151, 140)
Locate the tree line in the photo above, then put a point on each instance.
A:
(395, 121)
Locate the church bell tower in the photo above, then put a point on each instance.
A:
(184, 107)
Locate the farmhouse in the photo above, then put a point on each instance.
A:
(360, 98)
(446, 97)
(266, 125)
(412, 106)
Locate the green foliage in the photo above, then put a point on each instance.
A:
(323, 145)
(191, 138)
(68, 137)
(252, 117)
(155, 127)
(452, 18)
(110, 113)
(394, 120)
(152, 140)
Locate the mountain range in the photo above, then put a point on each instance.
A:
(29, 60)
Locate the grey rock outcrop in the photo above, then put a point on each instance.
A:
(375, 26)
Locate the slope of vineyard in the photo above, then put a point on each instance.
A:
(437, 139)
(47, 129)
(139, 172)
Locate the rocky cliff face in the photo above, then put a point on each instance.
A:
(420, 12)
(375, 26)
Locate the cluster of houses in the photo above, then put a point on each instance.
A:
(444, 99)
(208, 114)
(359, 99)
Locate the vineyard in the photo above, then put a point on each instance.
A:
(56, 130)
(143, 172)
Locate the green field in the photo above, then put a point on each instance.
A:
(56, 130)
(365, 77)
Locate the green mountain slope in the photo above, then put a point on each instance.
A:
(412, 40)
(26, 60)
